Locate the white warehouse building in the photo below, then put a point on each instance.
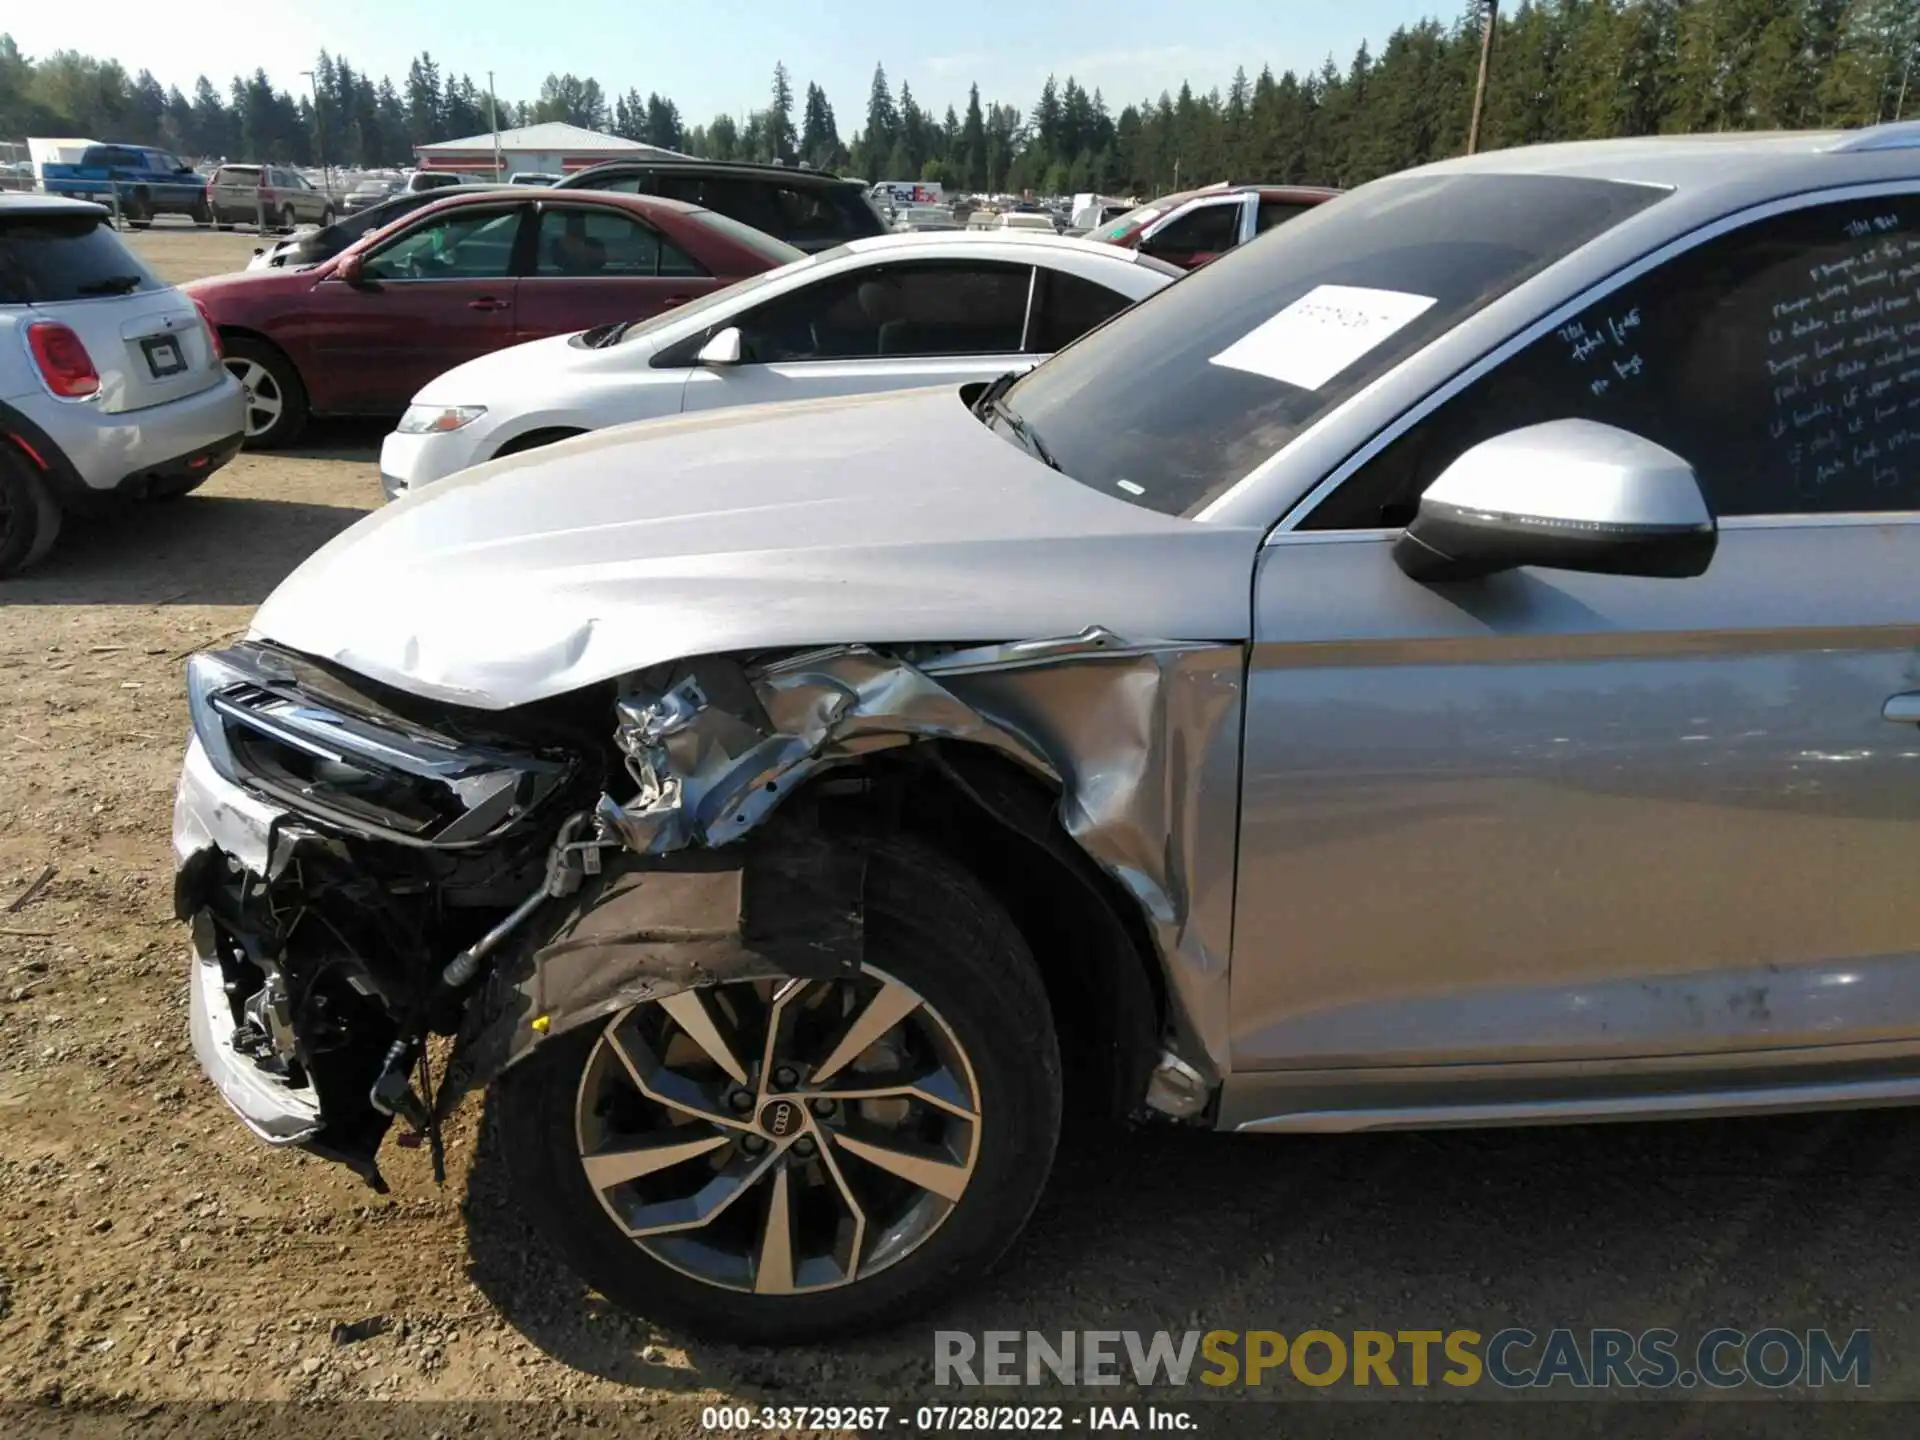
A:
(553, 148)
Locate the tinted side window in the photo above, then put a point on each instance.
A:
(741, 199)
(1066, 307)
(1205, 231)
(805, 214)
(934, 309)
(468, 244)
(1277, 212)
(1781, 361)
(603, 242)
(623, 184)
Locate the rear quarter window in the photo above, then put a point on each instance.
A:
(45, 259)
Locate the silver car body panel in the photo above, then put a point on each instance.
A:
(104, 447)
(1577, 815)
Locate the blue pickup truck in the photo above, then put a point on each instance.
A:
(149, 182)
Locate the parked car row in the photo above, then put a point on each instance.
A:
(1434, 664)
(112, 384)
(668, 286)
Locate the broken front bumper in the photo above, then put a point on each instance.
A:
(277, 1112)
(213, 819)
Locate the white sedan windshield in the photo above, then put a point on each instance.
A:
(677, 318)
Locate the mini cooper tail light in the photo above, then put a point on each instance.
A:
(63, 360)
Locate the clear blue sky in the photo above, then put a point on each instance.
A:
(714, 55)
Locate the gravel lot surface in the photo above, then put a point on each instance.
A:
(150, 1250)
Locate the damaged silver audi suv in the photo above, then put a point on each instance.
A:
(1452, 661)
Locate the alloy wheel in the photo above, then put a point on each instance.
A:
(779, 1137)
(266, 401)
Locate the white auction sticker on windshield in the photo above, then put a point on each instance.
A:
(1322, 333)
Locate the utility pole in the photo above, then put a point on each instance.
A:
(493, 119)
(320, 132)
(1480, 87)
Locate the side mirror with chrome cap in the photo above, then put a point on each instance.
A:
(724, 348)
(1564, 495)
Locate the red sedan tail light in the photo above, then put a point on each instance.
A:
(213, 331)
(63, 360)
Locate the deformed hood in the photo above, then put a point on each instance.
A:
(882, 519)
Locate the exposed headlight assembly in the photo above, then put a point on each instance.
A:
(439, 419)
(363, 771)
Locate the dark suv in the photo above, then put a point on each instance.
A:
(811, 210)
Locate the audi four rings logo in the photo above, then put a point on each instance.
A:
(779, 1119)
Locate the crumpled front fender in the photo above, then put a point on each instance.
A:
(1141, 738)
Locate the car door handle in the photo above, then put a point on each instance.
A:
(1903, 709)
(486, 302)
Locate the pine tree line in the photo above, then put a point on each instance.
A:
(1563, 69)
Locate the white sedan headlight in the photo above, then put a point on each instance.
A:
(439, 419)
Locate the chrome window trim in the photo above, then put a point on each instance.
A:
(1287, 524)
(1026, 321)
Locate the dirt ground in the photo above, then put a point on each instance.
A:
(150, 1250)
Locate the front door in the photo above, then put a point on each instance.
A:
(889, 327)
(1624, 828)
(595, 265)
(438, 293)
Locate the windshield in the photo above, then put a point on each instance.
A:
(1172, 402)
(675, 318)
(371, 187)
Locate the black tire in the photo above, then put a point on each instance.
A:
(29, 515)
(326, 217)
(287, 220)
(202, 212)
(934, 928)
(137, 211)
(220, 224)
(291, 418)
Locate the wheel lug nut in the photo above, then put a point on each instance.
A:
(804, 1145)
(741, 1100)
(785, 1077)
(823, 1106)
(753, 1144)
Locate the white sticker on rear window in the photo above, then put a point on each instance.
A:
(1322, 333)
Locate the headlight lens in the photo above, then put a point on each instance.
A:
(370, 773)
(439, 419)
(208, 674)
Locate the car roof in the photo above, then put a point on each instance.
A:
(27, 203)
(1692, 162)
(718, 167)
(1307, 194)
(457, 196)
(974, 241)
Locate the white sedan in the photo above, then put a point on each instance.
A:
(886, 313)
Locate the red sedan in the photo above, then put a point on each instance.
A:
(1193, 226)
(361, 333)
